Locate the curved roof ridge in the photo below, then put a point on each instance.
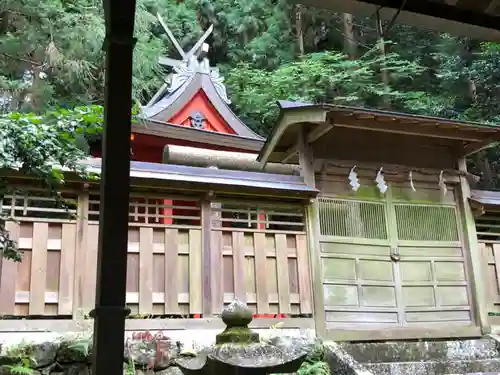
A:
(186, 82)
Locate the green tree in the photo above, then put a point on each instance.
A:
(51, 53)
(319, 77)
(43, 147)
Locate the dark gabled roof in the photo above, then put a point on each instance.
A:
(485, 197)
(324, 118)
(199, 178)
(168, 104)
(173, 131)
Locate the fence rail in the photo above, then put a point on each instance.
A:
(185, 258)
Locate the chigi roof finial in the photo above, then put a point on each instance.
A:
(191, 62)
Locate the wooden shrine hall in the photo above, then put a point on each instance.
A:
(343, 240)
(362, 241)
(114, 225)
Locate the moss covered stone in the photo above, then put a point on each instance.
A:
(237, 316)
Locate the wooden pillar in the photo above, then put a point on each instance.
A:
(110, 310)
(80, 254)
(206, 231)
(215, 259)
(471, 244)
(306, 161)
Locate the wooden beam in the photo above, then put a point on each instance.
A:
(206, 230)
(318, 132)
(290, 153)
(473, 148)
(240, 161)
(168, 61)
(477, 209)
(79, 325)
(425, 14)
(473, 258)
(172, 131)
(295, 117)
(172, 37)
(312, 136)
(110, 303)
(395, 127)
(306, 160)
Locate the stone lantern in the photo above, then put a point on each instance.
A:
(238, 350)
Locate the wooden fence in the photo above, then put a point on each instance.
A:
(186, 257)
(490, 254)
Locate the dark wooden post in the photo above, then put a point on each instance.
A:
(110, 311)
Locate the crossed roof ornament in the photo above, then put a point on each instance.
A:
(200, 46)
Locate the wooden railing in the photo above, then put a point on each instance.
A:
(186, 257)
(490, 254)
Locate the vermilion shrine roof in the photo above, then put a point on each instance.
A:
(194, 97)
(200, 89)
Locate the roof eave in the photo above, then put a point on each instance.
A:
(310, 114)
(199, 178)
(432, 15)
(174, 131)
(290, 115)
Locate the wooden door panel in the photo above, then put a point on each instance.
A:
(433, 289)
(359, 285)
(423, 284)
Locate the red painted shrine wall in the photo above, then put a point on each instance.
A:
(200, 102)
(148, 148)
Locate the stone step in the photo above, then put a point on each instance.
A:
(480, 349)
(462, 367)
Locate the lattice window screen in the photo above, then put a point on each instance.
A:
(349, 218)
(426, 223)
(488, 227)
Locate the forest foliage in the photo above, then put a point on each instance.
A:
(51, 59)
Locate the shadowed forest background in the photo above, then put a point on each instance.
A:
(51, 58)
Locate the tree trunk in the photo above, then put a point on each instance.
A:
(381, 45)
(35, 97)
(350, 43)
(483, 164)
(4, 21)
(299, 32)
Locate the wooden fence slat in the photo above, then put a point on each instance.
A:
(195, 272)
(90, 268)
(8, 275)
(79, 266)
(304, 275)
(38, 269)
(492, 292)
(216, 264)
(260, 273)
(282, 274)
(496, 256)
(145, 270)
(206, 231)
(171, 269)
(66, 274)
(239, 266)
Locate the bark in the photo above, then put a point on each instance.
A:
(483, 163)
(381, 45)
(4, 21)
(35, 97)
(350, 43)
(299, 29)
